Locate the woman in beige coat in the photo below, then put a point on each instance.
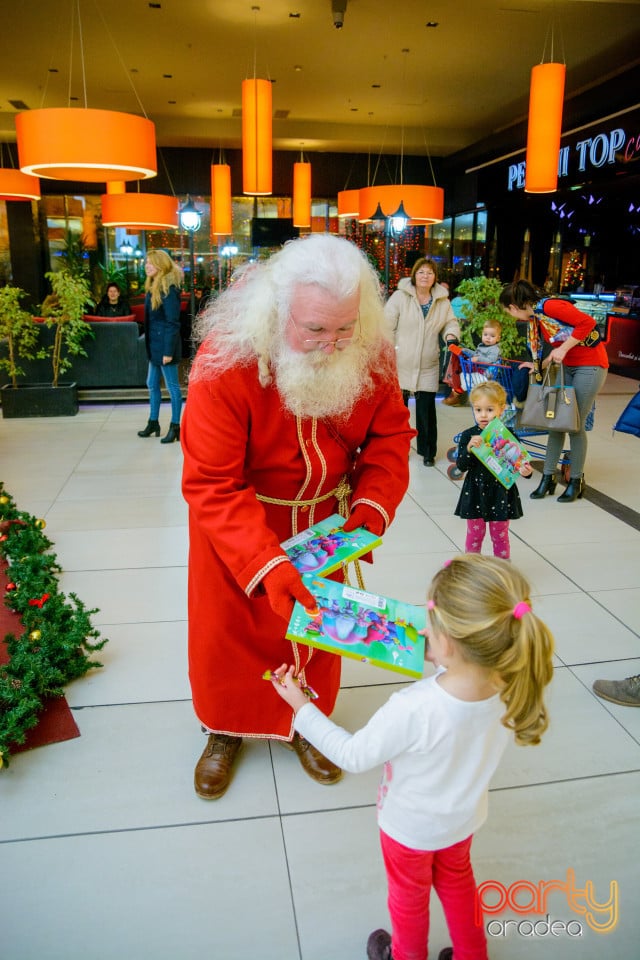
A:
(420, 314)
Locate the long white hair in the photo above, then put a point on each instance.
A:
(246, 322)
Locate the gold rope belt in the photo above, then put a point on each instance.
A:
(342, 494)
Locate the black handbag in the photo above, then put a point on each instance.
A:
(550, 407)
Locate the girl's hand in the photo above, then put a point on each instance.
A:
(526, 470)
(525, 365)
(475, 442)
(166, 360)
(288, 687)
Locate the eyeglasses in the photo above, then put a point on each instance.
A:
(314, 343)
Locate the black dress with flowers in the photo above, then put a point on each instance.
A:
(482, 496)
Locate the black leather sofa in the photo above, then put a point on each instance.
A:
(116, 357)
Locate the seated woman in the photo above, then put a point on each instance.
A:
(113, 304)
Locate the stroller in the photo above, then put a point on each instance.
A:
(514, 381)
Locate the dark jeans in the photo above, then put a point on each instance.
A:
(426, 423)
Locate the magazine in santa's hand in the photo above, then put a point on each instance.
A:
(325, 546)
(361, 625)
(501, 453)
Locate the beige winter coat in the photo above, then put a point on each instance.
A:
(417, 337)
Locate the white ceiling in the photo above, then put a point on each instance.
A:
(385, 82)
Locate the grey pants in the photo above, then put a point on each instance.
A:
(587, 383)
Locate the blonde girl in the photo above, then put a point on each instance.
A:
(441, 740)
(483, 499)
(162, 338)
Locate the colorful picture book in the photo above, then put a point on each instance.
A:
(501, 452)
(361, 625)
(324, 547)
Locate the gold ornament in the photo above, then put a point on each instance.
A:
(1, 761)
(4, 500)
(35, 635)
(41, 524)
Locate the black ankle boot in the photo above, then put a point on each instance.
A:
(173, 433)
(573, 490)
(546, 485)
(152, 427)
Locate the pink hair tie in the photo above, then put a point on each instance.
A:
(520, 609)
(446, 563)
(431, 605)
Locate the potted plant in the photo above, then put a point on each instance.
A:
(19, 334)
(63, 312)
(480, 297)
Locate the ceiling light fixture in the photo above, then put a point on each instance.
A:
(302, 193)
(64, 143)
(221, 208)
(546, 100)
(256, 131)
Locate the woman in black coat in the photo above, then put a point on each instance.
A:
(162, 337)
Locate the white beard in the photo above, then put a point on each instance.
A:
(321, 384)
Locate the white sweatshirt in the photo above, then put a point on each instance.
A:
(439, 754)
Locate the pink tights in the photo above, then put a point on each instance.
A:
(498, 531)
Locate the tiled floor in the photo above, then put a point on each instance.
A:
(106, 852)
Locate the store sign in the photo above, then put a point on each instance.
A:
(611, 148)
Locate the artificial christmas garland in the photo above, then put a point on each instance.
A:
(56, 643)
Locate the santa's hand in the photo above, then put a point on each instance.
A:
(367, 517)
(284, 586)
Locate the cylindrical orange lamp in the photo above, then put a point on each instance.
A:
(65, 143)
(348, 203)
(221, 212)
(15, 185)
(546, 98)
(256, 137)
(422, 204)
(144, 211)
(302, 194)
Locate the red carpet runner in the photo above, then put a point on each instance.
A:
(56, 721)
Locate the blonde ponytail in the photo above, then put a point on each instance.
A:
(482, 603)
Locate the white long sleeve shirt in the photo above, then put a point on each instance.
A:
(439, 754)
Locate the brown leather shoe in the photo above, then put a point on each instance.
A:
(213, 771)
(314, 763)
(455, 399)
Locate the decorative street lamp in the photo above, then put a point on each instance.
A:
(190, 220)
(393, 226)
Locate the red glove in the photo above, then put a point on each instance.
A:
(284, 586)
(368, 517)
(454, 348)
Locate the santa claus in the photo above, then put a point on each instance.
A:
(294, 413)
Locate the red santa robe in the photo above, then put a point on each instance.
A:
(238, 441)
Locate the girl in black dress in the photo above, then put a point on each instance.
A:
(483, 498)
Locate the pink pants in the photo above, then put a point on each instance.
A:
(410, 875)
(498, 531)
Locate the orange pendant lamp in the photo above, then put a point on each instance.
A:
(64, 143)
(142, 211)
(221, 212)
(15, 185)
(256, 137)
(546, 98)
(349, 203)
(422, 204)
(302, 194)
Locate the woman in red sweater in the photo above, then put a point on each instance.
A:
(575, 343)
